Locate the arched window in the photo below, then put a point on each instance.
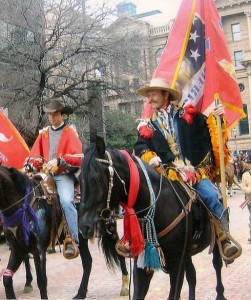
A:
(158, 55)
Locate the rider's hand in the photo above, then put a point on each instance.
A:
(219, 111)
(52, 166)
(155, 161)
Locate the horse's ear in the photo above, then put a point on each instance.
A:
(100, 145)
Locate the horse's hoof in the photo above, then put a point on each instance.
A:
(124, 292)
(79, 297)
(28, 289)
(50, 251)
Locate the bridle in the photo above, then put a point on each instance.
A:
(106, 213)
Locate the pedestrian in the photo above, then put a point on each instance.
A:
(173, 132)
(58, 151)
(246, 187)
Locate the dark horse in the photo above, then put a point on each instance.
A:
(28, 230)
(106, 182)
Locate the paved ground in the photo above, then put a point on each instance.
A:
(64, 276)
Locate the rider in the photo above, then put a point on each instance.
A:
(173, 132)
(58, 151)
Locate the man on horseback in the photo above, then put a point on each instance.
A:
(58, 151)
(172, 132)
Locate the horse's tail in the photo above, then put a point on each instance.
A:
(108, 242)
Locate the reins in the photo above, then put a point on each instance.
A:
(107, 212)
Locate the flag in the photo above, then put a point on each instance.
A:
(196, 61)
(13, 149)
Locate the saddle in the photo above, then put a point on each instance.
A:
(58, 221)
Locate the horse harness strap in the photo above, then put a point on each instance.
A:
(111, 173)
(178, 219)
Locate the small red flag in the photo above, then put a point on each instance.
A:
(196, 60)
(13, 149)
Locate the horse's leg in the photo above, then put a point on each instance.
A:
(28, 287)
(217, 263)
(125, 280)
(191, 278)
(141, 282)
(14, 263)
(39, 256)
(176, 273)
(86, 259)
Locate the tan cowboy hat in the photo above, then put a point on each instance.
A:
(57, 105)
(161, 84)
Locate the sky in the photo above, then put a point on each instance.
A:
(168, 9)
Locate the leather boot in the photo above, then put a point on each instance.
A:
(228, 248)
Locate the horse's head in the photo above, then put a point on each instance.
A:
(99, 176)
(13, 185)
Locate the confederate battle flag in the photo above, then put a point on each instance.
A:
(13, 149)
(196, 61)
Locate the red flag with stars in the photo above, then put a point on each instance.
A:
(13, 149)
(197, 62)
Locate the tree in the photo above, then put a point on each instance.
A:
(52, 48)
(121, 132)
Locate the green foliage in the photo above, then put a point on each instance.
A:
(121, 129)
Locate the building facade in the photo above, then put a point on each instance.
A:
(236, 20)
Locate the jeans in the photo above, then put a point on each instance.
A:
(65, 187)
(209, 196)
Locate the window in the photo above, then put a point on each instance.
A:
(241, 87)
(135, 83)
(238, 58)
(236, 32)
(158, 55)
(125, 107)
(243, 123)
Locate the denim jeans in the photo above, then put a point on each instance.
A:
(65, 187)
(209, 196)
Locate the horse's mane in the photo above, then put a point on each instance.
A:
(92, 168)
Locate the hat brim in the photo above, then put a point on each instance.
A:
(174, 95)
(65, 110)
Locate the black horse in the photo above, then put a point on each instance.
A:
(28, 230)
(106, 182)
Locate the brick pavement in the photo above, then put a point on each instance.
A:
(64, 276)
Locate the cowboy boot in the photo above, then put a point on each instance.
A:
(228, 248)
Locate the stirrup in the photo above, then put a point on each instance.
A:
(122, 249)
(69, 240)
(222, 235)
(226, 236)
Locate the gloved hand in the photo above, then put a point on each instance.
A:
(51, 167)
(190, 177)
(155, 161)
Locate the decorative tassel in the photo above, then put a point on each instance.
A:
(152, 260)
(140, 261)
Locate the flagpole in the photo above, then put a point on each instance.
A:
(221, 154)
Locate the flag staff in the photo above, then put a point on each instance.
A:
(221, 155)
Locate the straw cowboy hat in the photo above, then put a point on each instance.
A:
(161, 84)
(57, 105)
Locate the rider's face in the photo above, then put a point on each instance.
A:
(55, 118)
(158, 98)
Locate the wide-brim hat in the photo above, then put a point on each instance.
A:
(57, 105)
(160, 84)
